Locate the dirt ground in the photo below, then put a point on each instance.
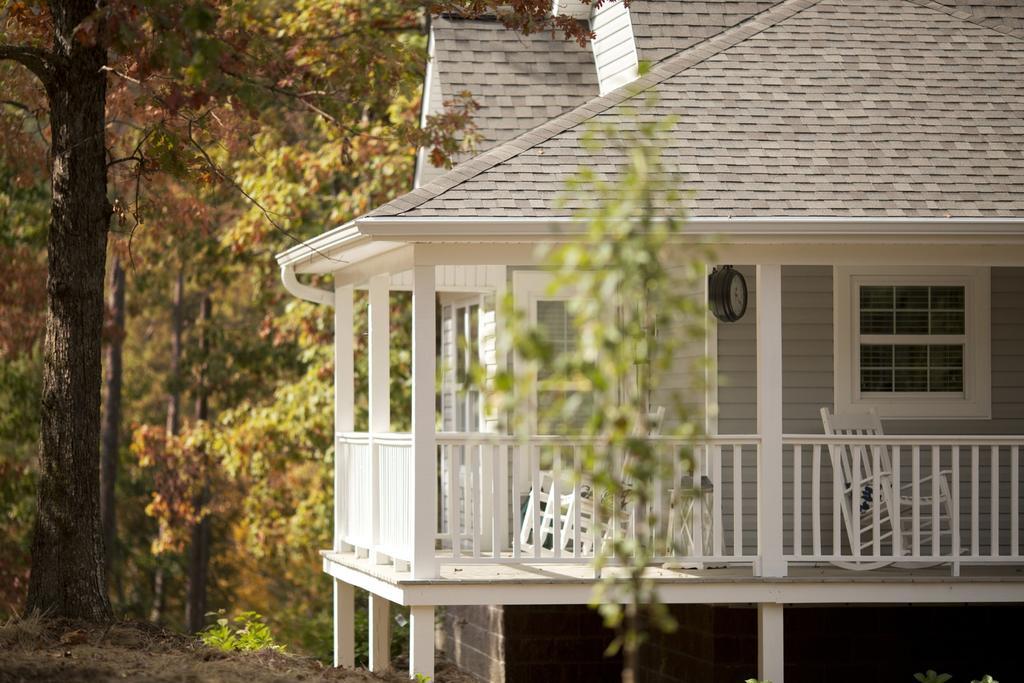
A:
(36, 649)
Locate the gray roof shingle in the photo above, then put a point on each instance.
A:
(813, 107)
(519, 81)
(664, 27)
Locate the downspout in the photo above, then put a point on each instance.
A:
(316, 295)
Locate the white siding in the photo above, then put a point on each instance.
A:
(614, 48)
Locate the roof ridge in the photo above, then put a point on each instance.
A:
(663, 70)
(971, 18)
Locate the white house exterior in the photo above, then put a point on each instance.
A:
(861, 162)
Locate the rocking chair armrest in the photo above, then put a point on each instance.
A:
(943, 474)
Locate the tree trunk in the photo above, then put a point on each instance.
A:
(67, 547)
(111, 432)
(199, 550)
(174, 372)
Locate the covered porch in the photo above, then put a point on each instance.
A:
(453, 508)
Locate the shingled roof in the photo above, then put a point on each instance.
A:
(664, 27)
(519, 81)
(811, 108)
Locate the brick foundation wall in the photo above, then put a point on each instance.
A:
(717, 644)
(841, 644)
(473, 638)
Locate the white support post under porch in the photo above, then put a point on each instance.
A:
(770, 642)
(380, 634)
(769, 420)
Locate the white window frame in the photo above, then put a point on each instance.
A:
(976, 399)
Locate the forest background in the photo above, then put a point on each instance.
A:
(216, 452)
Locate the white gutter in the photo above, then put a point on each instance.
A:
(314, 295)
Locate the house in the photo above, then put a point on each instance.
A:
(861, 164)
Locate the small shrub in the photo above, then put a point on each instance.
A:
(930, 676)
(244, 633)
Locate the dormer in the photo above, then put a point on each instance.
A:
(614, 47)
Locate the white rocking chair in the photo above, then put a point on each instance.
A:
(862, 500)
(576, 514)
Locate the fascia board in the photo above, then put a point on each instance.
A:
(438, 228)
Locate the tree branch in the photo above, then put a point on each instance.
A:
(39, 62)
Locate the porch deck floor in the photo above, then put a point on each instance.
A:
(527, 583)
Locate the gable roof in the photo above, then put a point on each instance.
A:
(812, 107)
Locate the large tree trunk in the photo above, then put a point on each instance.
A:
(199, 550)
(111, 432)
(67, 548)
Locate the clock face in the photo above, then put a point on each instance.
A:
(738, 295)
(727, 294)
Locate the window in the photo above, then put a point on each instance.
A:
(561, 404)
(913, 343)
(461, 404)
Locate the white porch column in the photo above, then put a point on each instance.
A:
(770, 656)
(379, 365)
(380, 354)
(769, 420)
(344, 396)
(344, 624)
(422, 505)
(380, 633)
(421, 641)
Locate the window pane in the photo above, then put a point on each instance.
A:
(945, 379)
(875, 356)
(912, 298)
(911, 322)
(876, 298)
(875, 380)
(947, 356)
(915, 356)
(947, 322)
(948, 297)
(911, 379)
(876, 322)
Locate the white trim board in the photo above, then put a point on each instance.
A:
(540, 586)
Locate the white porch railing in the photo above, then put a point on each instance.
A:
(860, 500)
(503, 499)
(373, 470)
(851, 501)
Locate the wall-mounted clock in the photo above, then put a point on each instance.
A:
(727, 293)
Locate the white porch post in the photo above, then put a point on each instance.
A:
(423, 476)
(769, 420)
(380, 633)
(344, 624)
(344, 397)
(380, 354)
(379, 324)
(421, 645)
(770, 656)
(344, 421)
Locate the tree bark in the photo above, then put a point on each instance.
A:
(67, 576)
(174, 372)
(199, 550)
(111, 431)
